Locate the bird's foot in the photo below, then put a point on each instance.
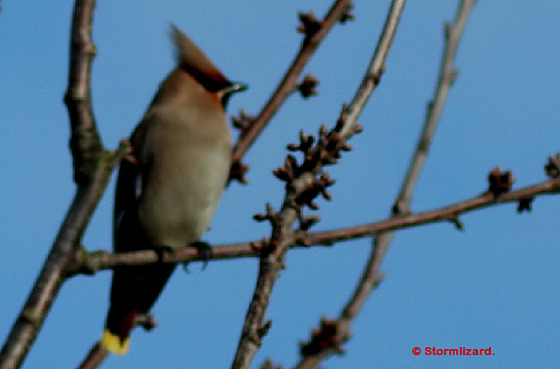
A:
(161, 250)
(205, 250)
(146, 321)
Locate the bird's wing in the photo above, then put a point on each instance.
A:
(125, 218)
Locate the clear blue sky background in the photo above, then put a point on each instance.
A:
(496, 284)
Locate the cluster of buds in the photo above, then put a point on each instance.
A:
(308, 87)
(500, 182)
(310, 25)
(324, 338)
(317, 153)
(325, 151)
(552, 168)
(305, 223)
(238, 171)
(318, 187)
(243, 122)
(271, 215)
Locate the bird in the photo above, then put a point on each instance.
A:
(169, 186)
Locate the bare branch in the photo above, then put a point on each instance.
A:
(313, 37)
(448, 213)
(95, 357)
(90, 263)
(47, 285)
(446, 77)
(302, 185)
(93, 168)
(85, 142)
(371, 275)
(375, 70)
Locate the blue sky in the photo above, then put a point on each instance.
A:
(495, 284)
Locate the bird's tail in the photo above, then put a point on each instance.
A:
(116, 334)
(133, 292)
(113, 343)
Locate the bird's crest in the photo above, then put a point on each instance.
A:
(193, 60)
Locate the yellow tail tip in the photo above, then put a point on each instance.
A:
(113, 343)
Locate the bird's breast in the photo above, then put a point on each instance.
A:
(185, 168)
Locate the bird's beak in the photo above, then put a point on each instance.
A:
(226, 92)
(235, 87)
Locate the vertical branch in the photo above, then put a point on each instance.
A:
(302, 185)
(93, 168)
(371, 275)
(85, 142)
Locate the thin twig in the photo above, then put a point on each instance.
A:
(376, 67)
(289, 82)
(446, 77)
(371, 275)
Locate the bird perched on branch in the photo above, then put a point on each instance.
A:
(170, 185)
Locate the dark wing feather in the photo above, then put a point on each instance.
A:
(125, 217)
(134, 288)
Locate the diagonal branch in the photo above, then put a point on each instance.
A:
(95, 357)
(312, 354)
(302, 185)
(314, 36)
(31, 318)
(93, 168)
(446, 78)
(376, 67)
(449, 213)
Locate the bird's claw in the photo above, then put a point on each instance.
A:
(161, 250)
(205, 250)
